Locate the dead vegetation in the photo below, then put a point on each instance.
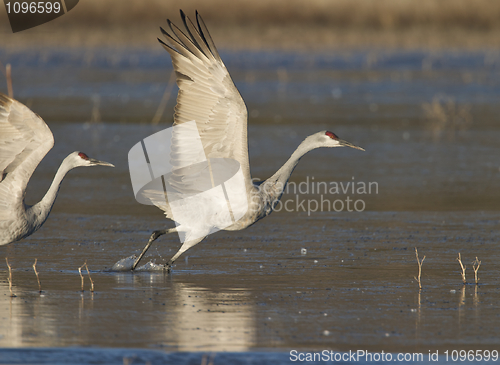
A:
(12, 295)
(7, 71)
(372, 14)
(446, 118)
(420, 262)
(475, 266)
(37, 277)
(208, 359)
(82, 278)
(463, 268)
(280, 24)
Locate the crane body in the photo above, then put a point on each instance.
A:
(208, 96)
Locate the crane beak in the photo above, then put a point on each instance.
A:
(93, 162)
(349, 144)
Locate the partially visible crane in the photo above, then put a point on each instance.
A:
(24, 140)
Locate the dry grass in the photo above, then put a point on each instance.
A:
(7, 72)
(37, 276)
(475, 266)
(278, 24)
(10, 278)
(447, 118)
(88, 273)
(463, 268)
(373, 14)
(420, 262)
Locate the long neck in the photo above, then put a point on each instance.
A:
(276, 184)
(41, 210)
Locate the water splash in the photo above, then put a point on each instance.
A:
(151, 266)
(125, 264)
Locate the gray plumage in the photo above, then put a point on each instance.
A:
(24, 140)
(208, 96)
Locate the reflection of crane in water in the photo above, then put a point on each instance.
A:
(24, 140)
(208, 96)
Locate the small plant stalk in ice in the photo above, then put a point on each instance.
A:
(475, 266)
(37, 278)
(459, 259)
(420, 262)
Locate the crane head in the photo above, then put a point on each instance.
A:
(81, 159)
(330, 139)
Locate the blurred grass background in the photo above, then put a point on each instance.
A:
(286, 24)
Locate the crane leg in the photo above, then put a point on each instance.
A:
(185, 246)
(153, 237)
(171, 261)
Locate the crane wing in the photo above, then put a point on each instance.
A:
(208, 96)
(24, 140)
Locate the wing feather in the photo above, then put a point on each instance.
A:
(24, 140)
(206, 36)
(196, 37)
(207, 93)
(187, 42)
(208, 96)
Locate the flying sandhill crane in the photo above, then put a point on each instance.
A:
(208, 96)
(24, 140)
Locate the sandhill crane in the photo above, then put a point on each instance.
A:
(208, 96)
(24, 140)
